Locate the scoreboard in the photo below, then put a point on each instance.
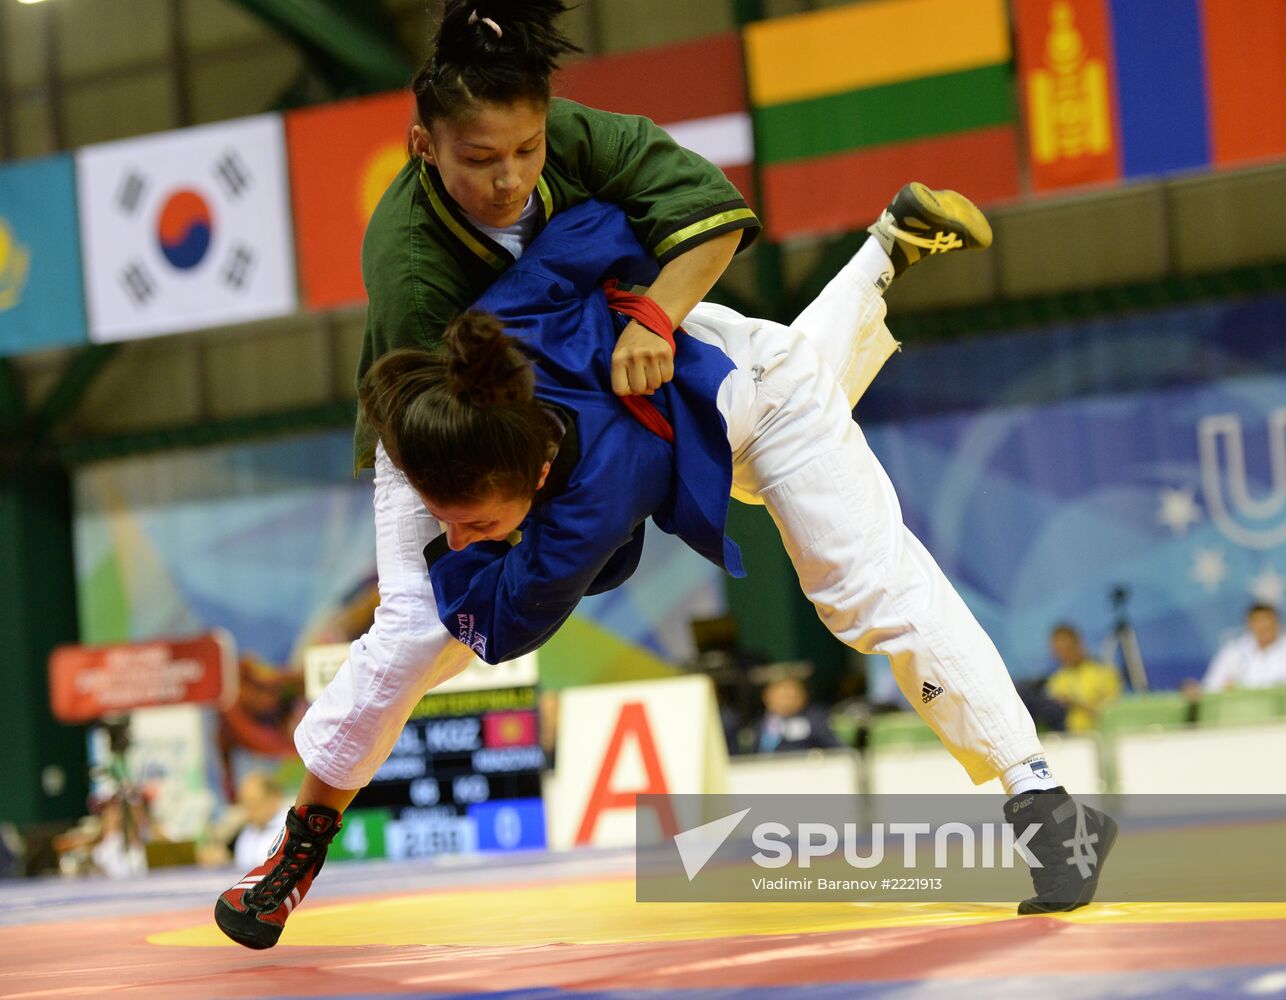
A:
(464, 775)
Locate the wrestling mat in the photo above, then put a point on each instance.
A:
(545, 925)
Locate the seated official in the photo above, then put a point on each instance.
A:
(789, 721)
(1254, 659)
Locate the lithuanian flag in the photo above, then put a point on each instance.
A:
(851, 103)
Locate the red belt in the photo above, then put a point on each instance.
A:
(652, 317)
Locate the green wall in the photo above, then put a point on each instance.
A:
(37, 613)
(773, 616)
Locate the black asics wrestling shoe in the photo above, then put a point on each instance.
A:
(254, 911)
(920, 222)
(1071, 844)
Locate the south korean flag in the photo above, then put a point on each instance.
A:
(186, 230)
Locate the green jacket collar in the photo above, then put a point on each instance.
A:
(482, 246)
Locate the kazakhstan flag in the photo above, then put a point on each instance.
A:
(42, 303)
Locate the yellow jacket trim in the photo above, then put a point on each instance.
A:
(697, 228)
(450, 221)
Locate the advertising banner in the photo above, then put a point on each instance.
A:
(89, 682)
(41, 302)
(186, 230)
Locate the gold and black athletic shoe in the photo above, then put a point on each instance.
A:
(920, 222)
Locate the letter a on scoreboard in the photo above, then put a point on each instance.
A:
(631, 723)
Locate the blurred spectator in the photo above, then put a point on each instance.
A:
(1081, 685)
(109, 841)
(1254, 659)
(260, 800)
(790, 722)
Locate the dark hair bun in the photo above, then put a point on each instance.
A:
(484, 364)
(497, 51)
(526, 33)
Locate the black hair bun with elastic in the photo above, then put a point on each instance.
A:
(473, 29)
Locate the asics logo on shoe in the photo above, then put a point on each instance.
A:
(929, 691)
(942, 242)
(1083, 856)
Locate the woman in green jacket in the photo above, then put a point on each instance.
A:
(494, 156)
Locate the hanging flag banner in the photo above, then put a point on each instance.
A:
(186, 230)
(844, 115)
(1066, 67)
(711, 120)
(342, 157)
(1112, 91)
(1244, 46)
(41, 304)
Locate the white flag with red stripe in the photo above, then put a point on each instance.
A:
(186, 230)
(695, 90)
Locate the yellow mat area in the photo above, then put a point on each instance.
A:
(605, 911)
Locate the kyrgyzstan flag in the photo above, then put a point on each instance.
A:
(695, 90)
(509, 729)
(186, 230)
(342, 157)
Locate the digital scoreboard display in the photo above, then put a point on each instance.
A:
(464, 775)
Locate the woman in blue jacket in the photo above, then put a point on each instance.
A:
(543, 480)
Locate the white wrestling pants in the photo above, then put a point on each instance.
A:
(797, 448)
(349, 731)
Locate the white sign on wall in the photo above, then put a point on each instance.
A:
(321, 663)
(616, 741)
(186, 230)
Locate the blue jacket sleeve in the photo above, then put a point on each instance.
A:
(503, 601)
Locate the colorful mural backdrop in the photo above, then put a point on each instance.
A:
(1038, 511)
(275, 542)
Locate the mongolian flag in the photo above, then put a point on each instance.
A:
(1115, 89)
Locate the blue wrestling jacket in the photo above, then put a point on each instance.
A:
(584, 534)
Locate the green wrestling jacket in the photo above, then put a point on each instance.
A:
(423, 262)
